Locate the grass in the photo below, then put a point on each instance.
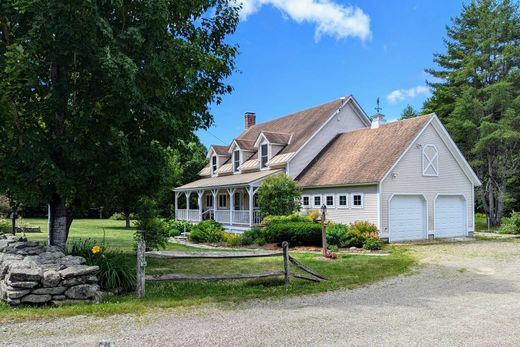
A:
(348, 271)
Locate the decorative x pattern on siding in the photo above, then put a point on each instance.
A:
(430, 161)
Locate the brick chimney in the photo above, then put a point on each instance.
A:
(250, 119)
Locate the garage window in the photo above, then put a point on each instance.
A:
(430, 161)
(317, 200)
(329, 200)
(357, 200)
(342, 200)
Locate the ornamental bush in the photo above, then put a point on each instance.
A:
(278, 196)
(252, 236)
(337, 235)
(296, 233)
(207, 231)
(176, 227)
(294, 217)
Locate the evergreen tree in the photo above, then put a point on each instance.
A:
(409, 112)
(477, 94)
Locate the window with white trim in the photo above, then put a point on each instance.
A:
(357, 200)
(214, 165)
(316, 200)
(222, 201)
(236, 160)
(238, 204)
(209, 200)
(342, 200)
(329, 200)
(306, 201)
(264, 155)
(430, 161)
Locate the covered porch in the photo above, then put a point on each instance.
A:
(230, 200)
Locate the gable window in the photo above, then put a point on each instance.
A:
(222, 201)
(317, 200)
(329, 200)
(357, 200)
(263, 155)
(306, 201)
(236, 160)
(209, 200)
(342, 200)
(430, 161)
(213, 164)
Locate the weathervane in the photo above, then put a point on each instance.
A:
(378, 108)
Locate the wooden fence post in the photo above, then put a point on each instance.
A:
(285, 246)
(141, 264)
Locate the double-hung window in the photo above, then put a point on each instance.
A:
(222, 201)
(214, 165)
(209, 200)
(317, 201)
(236, 160)
(264, 155)
(329, 200)
(306, 201)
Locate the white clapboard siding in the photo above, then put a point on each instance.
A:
(409, 179)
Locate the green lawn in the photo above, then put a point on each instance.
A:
(348, 271)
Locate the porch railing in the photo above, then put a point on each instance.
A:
(240, 217)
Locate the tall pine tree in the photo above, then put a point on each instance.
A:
(477, 94)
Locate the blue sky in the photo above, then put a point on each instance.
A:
(295, 54)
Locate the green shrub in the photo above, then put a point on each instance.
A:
(510, 225)
(359, 231)
(156, 234)
(251, 236)
(177, 227)
(116, 270)
(332, 248)
(337, 235)
(372, 244)
(259, 241)
(295, 217)
(207, 231)
(278, 195)
(5, 227)
(314, 215)
(232, 240)
(296, 233)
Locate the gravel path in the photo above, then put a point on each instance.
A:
(464, 294)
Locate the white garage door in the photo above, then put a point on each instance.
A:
(407, 218)
(450, 216)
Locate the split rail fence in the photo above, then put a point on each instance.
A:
(142, 278)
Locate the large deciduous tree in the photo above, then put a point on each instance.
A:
(477, 94)
(91, 87)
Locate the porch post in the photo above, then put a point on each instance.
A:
(187, 194)
(214, 192)
(251, 201)
(200, 193)
(176, 203)
(231, 192)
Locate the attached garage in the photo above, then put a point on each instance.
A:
(407, 218)
(450, 216)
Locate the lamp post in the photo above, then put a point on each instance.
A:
(14, 215)
(324, 229)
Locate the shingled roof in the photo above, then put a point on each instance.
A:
(300, 125)
(220, 150)
(361, 156)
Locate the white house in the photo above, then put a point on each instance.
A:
(408, 177)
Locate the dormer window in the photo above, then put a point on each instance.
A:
(236, 160)
(263, 155)
(213, 164)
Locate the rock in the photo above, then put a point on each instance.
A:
(82, 291)
(50, 256)
(36, 299)
(26, 285)
(17, 294)
(78, 270)
(80, 280)
(51, 278)
(19, 274)
(51, 291)
(72, 260)
(13, 302)
(59, 297)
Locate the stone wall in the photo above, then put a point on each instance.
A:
(34, 274)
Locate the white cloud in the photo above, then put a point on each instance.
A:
(402, 94)
(330, 18)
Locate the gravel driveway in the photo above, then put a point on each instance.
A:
(463, 294)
